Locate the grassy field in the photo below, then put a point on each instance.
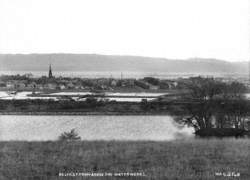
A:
(180, 159)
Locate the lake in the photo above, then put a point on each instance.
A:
(42, 128)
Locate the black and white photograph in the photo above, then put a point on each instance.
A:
(124, 89)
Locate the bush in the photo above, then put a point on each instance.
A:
(69, 136)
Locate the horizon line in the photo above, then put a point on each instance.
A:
(125, 55)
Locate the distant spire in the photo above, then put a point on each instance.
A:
(50, 71)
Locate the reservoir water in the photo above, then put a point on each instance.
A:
(43, 128)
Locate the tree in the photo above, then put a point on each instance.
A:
(202, 92)
(204, 88)
(152, 80)
(201, 114)
(212, 100)
(237, 90)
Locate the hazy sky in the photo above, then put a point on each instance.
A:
(157, 28)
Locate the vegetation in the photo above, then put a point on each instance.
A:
(210, 89)
(190, 159)
(91, 105)
(214, 104)
(69, 136)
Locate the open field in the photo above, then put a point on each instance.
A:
(180, 159)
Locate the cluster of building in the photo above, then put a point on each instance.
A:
(27, 82)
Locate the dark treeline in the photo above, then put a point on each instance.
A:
(217, 106)
(91, 105)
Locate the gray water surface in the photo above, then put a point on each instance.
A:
(42, 128)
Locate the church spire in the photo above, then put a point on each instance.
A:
(50, 71)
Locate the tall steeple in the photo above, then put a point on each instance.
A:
(50, 72)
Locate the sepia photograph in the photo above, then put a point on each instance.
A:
(124, 89)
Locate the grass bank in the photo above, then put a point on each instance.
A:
(180, 159)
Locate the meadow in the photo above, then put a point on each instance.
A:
(179, 159)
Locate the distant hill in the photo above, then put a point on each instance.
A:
(94, 62)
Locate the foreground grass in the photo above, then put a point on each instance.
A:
(180, 159)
